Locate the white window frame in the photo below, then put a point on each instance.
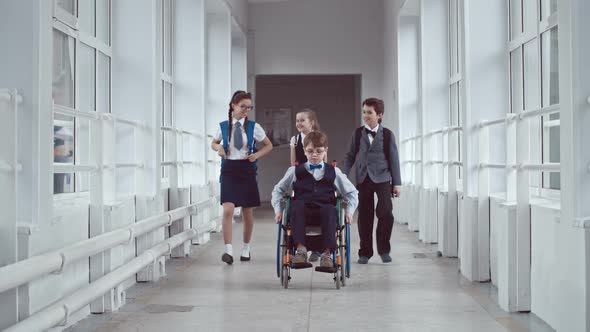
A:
(544, 24)
(68, 24)
(166, 39)
(456, 78)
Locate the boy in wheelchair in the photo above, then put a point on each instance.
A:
(314, 184)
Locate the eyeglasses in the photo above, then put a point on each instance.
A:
(246, 107)
(316, 151)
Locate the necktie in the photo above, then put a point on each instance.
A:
(238, 141)
(312, 166)
(370, 132)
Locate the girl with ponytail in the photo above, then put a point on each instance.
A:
(235, 142)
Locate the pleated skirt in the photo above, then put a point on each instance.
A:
(238, 183)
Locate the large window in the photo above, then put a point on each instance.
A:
(455, 78)
(167, 83)
(81, 81)
(534, 79)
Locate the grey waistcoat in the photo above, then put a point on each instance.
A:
(370, 160)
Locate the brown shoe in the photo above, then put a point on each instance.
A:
(326, 260)
(300, 256)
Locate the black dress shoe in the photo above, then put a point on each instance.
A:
(227, 258)
(245, 259)
(363, 260)
(385, 258)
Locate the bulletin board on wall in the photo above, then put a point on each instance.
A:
(277, 123)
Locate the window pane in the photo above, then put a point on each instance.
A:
(552, 140)
(167, 37)
(453, 36)
(104, 83)
(82, 153)
(167, 104)
(550, 67)
(516, 80)
(87, 78)
(64, 49)
(86, 16)
(68, 5)
(453, 106)
(532, 100)
(530, 16)
(103, 21)
(515, 18)
(164, 133)
(63, 152)
(548, 7)
(531, 80)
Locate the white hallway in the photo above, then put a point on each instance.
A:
(109, 213)
(418, 291)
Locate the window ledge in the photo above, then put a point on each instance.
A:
(498, 197)
(547, 203)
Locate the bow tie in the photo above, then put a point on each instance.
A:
(312, 166)
(370, 132)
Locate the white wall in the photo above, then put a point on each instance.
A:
(320, 37)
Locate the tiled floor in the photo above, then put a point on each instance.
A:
(413, 293)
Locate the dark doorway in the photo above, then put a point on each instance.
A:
(334, 98)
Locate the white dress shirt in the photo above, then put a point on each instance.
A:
(375, 130)
(235, 154)
(343, 186)
(294, 139)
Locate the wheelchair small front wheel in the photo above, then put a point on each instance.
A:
(286, 276)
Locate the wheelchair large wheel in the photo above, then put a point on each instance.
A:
(342, 266)
(279, 253)
(348, 253)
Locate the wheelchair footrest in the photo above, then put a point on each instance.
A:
(297, 266)
(326, 269)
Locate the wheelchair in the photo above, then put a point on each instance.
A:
(286, 247)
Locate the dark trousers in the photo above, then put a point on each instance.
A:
(313, 213)
(366, 217)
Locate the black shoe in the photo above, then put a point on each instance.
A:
(245, 259)
(385, 258)
(227, 258)
(363, 260)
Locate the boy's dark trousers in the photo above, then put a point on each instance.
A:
(366, 209)
(316, 214)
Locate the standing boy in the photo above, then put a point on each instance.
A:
(374, 152)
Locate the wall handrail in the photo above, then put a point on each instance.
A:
(38, 266)
(7, 95)
(538, 112)
(71, 112)
(411, 138)
(60, 311)
(488, 123)
(71, 168)
(550, 167)
(492, 165)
